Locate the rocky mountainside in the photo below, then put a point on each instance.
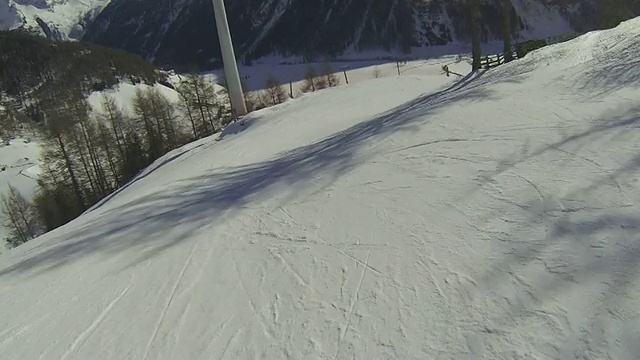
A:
(55, 19)
(182, 34)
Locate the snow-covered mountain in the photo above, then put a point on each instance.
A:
(182, 32)
(493, 216)
(56, 19)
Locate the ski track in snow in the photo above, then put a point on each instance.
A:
(493, 218)
(80, 340)
(169, 301)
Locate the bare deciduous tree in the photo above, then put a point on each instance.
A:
(328, 75)
(199, 101)
(310, 80)
(275, 92)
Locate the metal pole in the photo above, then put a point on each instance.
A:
(231, 74)
(344, 70)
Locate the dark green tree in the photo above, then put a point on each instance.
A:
(19, 217)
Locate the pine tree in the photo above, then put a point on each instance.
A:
(19, 217)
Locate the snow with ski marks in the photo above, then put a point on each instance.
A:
(494, 218)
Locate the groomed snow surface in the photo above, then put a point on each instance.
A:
(398, 218)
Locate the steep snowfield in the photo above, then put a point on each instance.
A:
(493, 218)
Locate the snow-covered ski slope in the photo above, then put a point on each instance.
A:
(493, 218)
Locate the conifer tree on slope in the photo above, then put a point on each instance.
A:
(19, 217)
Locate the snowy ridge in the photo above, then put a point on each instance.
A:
(409, 218)
(62, 19)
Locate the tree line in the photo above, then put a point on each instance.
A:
(275, 92)
(610, 14)
(475, 14)
(31, 67)
(87, 154)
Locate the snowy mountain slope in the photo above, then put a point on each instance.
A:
(491, 218)
(177, 33)
(57, 19)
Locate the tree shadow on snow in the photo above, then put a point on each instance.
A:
(183, 211)
(236, 128)
(232, 129)
(595, 241)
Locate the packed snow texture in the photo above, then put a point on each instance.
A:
(413, 217)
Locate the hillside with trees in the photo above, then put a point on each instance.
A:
(89, 152)
(32, 67)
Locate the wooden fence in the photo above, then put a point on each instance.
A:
(491, 61)
(519, 50)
